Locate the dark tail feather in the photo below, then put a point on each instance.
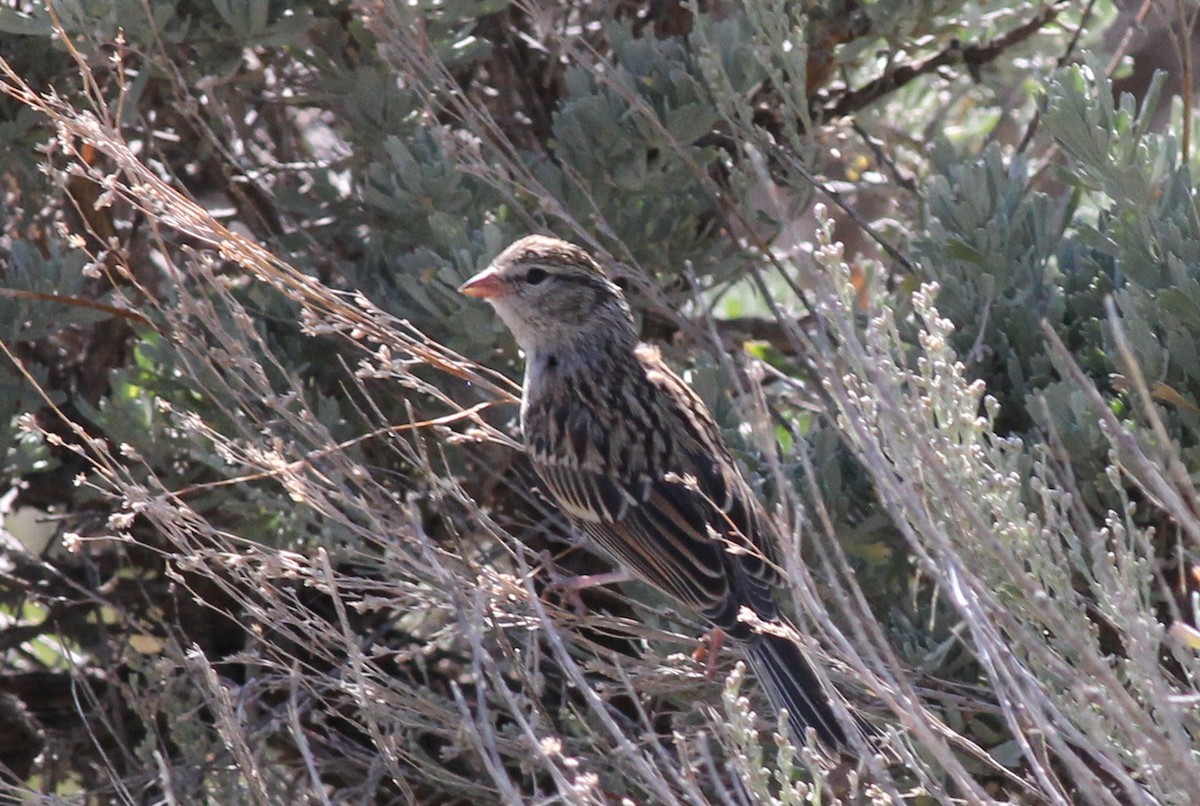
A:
(791, 683)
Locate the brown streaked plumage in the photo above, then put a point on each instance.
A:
(631, 454)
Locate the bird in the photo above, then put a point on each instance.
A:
(634, 459)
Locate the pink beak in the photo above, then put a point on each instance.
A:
(488, 284)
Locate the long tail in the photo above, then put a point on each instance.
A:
(791, 683)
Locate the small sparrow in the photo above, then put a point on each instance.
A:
(632, 456)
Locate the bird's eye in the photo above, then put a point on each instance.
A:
(536, 276)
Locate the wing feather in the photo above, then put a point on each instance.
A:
(640, 466)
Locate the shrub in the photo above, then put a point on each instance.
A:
(934, 275)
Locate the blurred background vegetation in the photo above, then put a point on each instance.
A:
(268, 536)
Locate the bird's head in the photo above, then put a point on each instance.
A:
(553, 295)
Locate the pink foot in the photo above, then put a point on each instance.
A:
(571, 586)
(709, 650)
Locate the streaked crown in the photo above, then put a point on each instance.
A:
(552, 293)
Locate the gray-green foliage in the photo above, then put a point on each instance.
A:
(308, 570)
(990, 244)
(1121, 221)
(1145, 241)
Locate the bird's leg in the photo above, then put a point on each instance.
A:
(571, 586)
(709, 650)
